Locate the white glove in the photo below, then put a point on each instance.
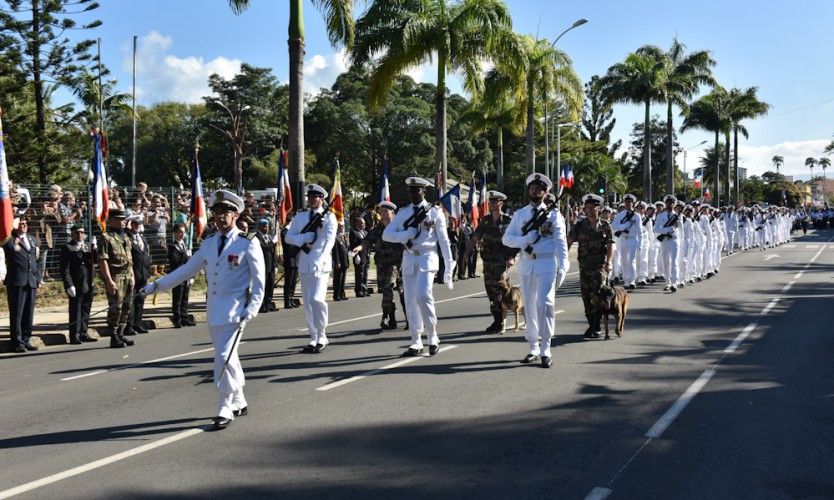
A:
(412, 232)
(150, 288)
(71, 291)
(191, 282)
(532, 236)
(246, 319)
(188, 253)
(309, 237)
(560, 278)
(448, 274)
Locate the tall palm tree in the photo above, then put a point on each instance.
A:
(640, 79)
(686, 74)
(743, 105)
(547, 71)
(408, 33)
(778, 161)
(824, 162)
(338, 15)
(811, 163)
(710, 113)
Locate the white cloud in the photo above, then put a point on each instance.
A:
(161, 76)
(758, 159)
(321, 71)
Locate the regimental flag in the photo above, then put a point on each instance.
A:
(440, 182)
(384, 188)
(707, 196)
(6, 209)
(101, 196)
(451, 202)
(199, 217)
(483, 198)
(697, 182)
(284, 191)
(472, 205)
(337, 204)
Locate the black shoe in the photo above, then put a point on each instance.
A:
(296, 302)
(85, 338)
(129, 343)
(221, 423)
(392, 323)
(673, 289)
(642, 283)
(289, 305)
(140, 329)
(188, 322)
(241, 412)
(630, 287)
(320, 348)
(19, 349)
(29, 347)
(493, 327)
(177, 324)
(129, 331)
(411, 353)
(383, 323)
(665, 288)
(433, 349)
(116, 343)
(547, 361)
(75, 341)
(530, 358)
(309, 349)
(405, 328)
(591, 333)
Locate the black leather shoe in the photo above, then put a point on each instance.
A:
(117, 344)
(88, 339)
(241, 412)
(140, 329)
(433, 349)
(547, 361)
(411, 352)
(188, 322)
(177, 324)
(129, 331)
(673, 289)
(320, 348)
(75, 341)
(221, 423)
(129, 342)
(19, 349)
(529, 358)
(309, 349)
(29, 347)
(592, 334)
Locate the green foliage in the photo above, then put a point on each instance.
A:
(598, 116)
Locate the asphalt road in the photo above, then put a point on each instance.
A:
(722, 390)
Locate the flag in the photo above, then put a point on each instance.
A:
(484, 199)
(101, 196)
(337, 204)
(451, 202)
(569, 176)
(384, 188)
(284, 191)
(697, 182)
(707, 196)
(6, 209)
(199, 218)
(472, 205)
(440, 183)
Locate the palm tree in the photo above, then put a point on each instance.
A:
(640, 79)
(778, 161)
(687, 73)
(338, 15)
(710, 113)
(408, 33)
(824, 162)
(743, 105)
(811, 163)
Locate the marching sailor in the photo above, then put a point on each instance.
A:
(666, 228)
(627, 228)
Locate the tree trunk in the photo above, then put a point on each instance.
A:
(40, 113)
(717, 172)
(440, 119)
(238, 173)
(670, 150)
(647, 154)
(499, 160)
(727, 191)
(735, 162)
(530, 159)
(296, 104)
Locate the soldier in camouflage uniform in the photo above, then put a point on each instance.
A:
(596, 246)
(117, 272)
(388, 258)
(497, 257)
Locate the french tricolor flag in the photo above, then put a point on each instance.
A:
(697, 182)
(199, 218)
(472, 206)
(384, 188)
(451, 202)
(483, 198)
(6, 209)
(101, 195)
(284, 191)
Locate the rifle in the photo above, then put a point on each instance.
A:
(414, 221)
(401, 290)
(313, 224)
(672, 221)
(535, 222)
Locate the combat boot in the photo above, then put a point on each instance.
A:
(120, 331)
(392, 321)
(383, 323)
(115, 339)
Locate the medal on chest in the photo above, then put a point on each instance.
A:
(234, 261)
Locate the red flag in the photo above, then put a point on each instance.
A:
(337, 204)
(198, 204)
(6, 209)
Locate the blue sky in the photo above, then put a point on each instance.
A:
(782, 47)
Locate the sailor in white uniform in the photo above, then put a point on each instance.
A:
(627, 227)
(666, 228)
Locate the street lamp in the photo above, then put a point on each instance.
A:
(684, 166)
(547, 168)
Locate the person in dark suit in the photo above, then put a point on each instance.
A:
(341, 263)
(267, 242)
(76, 264)
(141, 254)
(361, 259)
(21, 283)
(178, 255)
(290, 263)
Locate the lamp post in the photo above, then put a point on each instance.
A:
(684, 165)
(547, 169)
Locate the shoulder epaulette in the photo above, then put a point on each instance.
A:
(251, 236)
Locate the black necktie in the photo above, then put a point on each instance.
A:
(222, 244)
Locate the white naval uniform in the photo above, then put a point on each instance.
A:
(420, 264)
(235, 292)
(669, 247)
(646, 238)
(540, 272)
(706, 252)
(731, 220)
(314, 268)
(628, 224)
(688, 245)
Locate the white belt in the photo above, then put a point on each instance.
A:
(539, 255)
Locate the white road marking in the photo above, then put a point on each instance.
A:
(769, 306)
(812, 246)
(740, 338)
(787, 286)
(774, 256)
(672, 413)
(598, 493)
(23, 488)
(158, 360)
(798, 275)
(367, 374)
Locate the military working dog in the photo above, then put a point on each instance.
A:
(614, 299)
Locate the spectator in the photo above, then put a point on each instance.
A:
(267, 242)
(43, 218)
(140, 254)
(341, 263)
(21, 283)
(178, 255)
(361, 259)
(142, 193)
(77, 274)
(71, 214)
(158, 218)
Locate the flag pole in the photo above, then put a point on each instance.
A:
(133, 162)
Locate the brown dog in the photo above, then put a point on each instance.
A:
(510, 299)
(614, 298)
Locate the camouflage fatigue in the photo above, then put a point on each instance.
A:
(115, 249)
(593, 249)
(388, 257)
(495, 255)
